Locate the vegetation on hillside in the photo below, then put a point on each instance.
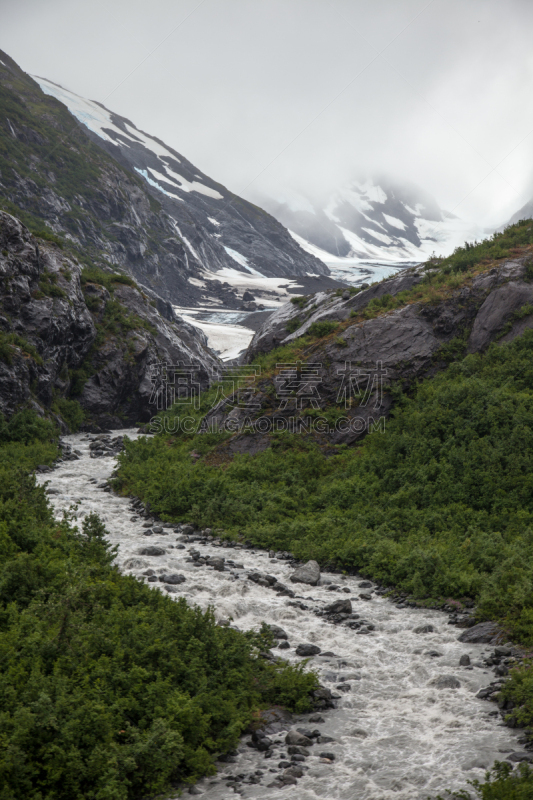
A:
(443, 277)
(440, 505)
(108, 689)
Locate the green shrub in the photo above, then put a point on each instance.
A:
(8, 341)
(48, 285)
(70, 411)
(92, 274)
(499, 245)
(293, 324)
(300, 301)
(322, 328)
(49, 236)
(26, 427)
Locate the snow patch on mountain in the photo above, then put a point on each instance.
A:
(242, 260)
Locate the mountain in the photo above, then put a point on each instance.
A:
(375, 218)
(126, 200)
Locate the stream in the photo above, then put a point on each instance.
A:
(395, 734)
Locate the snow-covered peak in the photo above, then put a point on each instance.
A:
(375, 218)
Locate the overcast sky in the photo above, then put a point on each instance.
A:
(270, 95)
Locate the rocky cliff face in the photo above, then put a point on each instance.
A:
(123, 198)
(343, 372)
(68, 335)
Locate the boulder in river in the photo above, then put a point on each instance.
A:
(339, 607)
(483, 633)
(277, 632)
(297, 750)
(174, 578)
(424, 629)
(520, 756)
(216, 562)
(359, 732)
(295, 738)
(307, 650)
(307, 573)
(151, 551)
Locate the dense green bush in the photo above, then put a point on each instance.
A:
(8, 341)
(26, 427)
(499, 245)
(92, 274)
(70, 411)
(108, 689)
(293, 324)
(322, 328)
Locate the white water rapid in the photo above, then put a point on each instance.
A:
(396, 735)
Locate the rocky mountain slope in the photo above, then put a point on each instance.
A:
(340, 358)
(376, 218)
(124, 198)
(74, 339)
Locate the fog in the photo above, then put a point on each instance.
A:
(269, 96)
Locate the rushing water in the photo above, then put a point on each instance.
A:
(396, 735)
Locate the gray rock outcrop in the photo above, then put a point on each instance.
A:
(307, 573)
(354, 370)
(62, 338)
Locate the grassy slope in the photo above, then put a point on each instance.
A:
(108, 689)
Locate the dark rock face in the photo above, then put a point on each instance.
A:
(496, 310)
(43, 302)
(320, 307)
(354, 370)
(115, 197)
